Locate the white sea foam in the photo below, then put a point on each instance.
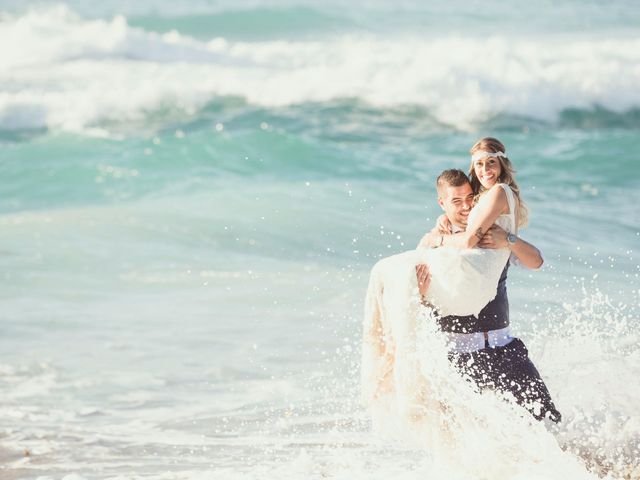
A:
(64, 72)
(281, 426)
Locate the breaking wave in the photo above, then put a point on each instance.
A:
(72, 73)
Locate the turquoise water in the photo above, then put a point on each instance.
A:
(193, 194)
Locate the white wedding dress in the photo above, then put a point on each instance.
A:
(463, 282)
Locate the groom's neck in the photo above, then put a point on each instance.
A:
(458, 227)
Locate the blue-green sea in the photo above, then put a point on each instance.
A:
(193, 193)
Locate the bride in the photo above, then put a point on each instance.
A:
(463, 279)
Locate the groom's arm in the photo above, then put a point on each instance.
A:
(528, 256)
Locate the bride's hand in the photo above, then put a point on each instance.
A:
(495, 237)
(443, 225)
(424, 278)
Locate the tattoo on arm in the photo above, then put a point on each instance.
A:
(479, 233)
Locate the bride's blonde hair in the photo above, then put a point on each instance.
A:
(507, 174)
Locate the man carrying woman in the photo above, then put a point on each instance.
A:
(465, 287)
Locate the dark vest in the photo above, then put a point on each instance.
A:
(492, 317)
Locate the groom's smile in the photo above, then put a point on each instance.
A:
(456, 203)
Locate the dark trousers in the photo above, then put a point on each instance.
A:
(508, 369)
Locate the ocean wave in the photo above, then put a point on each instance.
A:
(71, 73)
(255, 23)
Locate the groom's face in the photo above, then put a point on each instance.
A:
(456, 203)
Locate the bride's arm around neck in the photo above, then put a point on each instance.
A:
(493, 203)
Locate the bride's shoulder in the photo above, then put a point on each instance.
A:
(505, 195)
(496, 194)
(501, 189)
(498, 190)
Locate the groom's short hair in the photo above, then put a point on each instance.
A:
(452, 178)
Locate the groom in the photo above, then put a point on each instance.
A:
(483, 350)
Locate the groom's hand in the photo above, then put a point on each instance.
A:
(443, 224)
(424, 278)
(495, 237)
